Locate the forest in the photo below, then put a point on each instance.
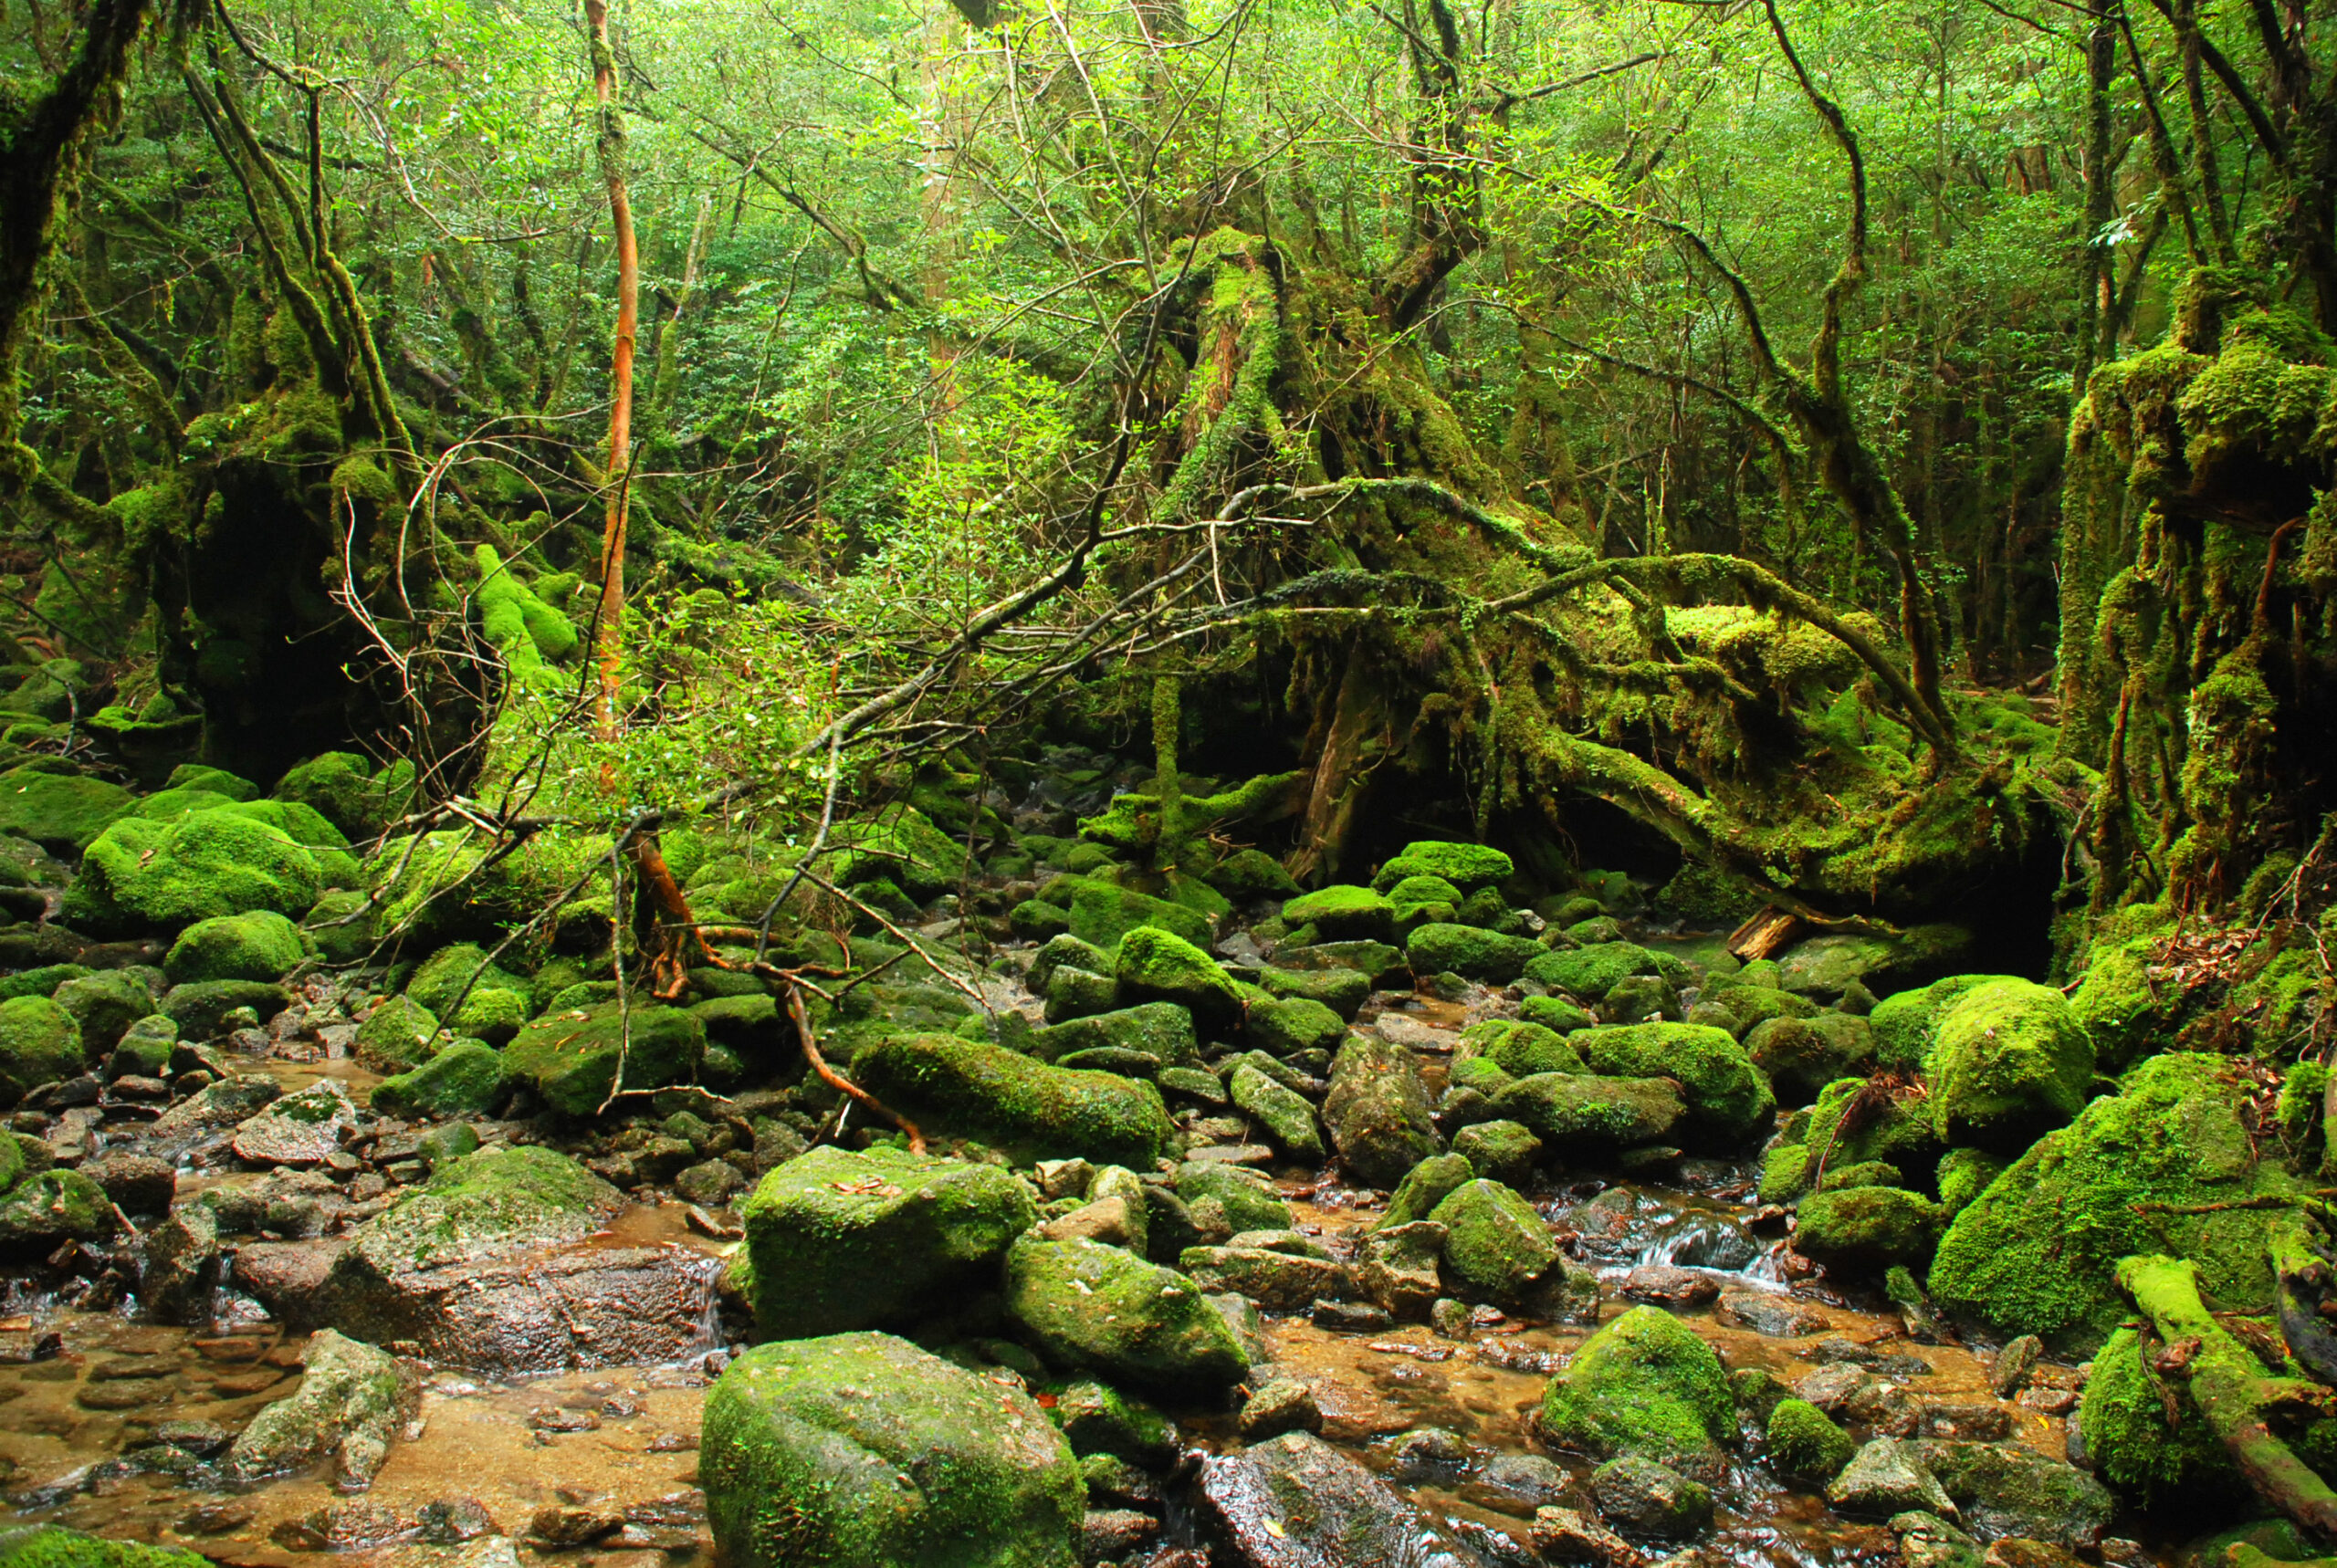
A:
(1167, 783)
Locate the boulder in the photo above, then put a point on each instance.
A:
(200, 1007)
(1906, 1024)
(344, 789)
(1283, 1115)
(2010, 1062)
(41, 1209)
(1650, 1498)
(1377, 1112)
(1588, 973)
(2034, 1252)
(1519, 1048)
(1644, 1385)
(572, 1056)
(299, 1130)
(1827, 966)
(396, 1036)
(1088, 1307)
(1425, 1185)
(1869, 1227)
(1727, 1098)
(1400, 1268)
(180, 1267)
(141, 874)
(494, 1002)
(1159, 965)
(1496, 1248)
(466, 1078)
(351, 1399)
(1805, 1445)
(1104, 915)
(1007, 1099)
(1887, 1477)
(259, 945)
(1162, 1029)
(1341, 912)
(60, 811)
(2011, 1491)
(1468, 867)
(1438, 948)
(1851, 1125)
(1242, 1200)
(39, 1043)
(1288, 1025)
(860, 1450)
(1295, 1501)
(105, 1004)
(1343, 990)
(2128, 1442)
(874, 1239)
(1800, 1056)
(1281, 1280)
(1574, 1114)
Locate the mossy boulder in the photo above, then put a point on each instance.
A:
(1827, 966)
(494, 1002)
(1728, 1099)
(1279, 1113)
(340, 926)
(1251, 873)
(1496, 1248)
(202, 1007)
(1588, 973)
(1499, 1151)
(2035, 1251)
(396, 1036)
(1425, 1185)
(1062, 951)
(1469, 952)
(2123, 1010)
(1556, 1014)
(1342, 991)
(1467, 867)
(1285, 1026)
(1518, 1047)
(39, 1043)
(1906, 1024)
(1869, 1227)
(901, 846)
(1342, 912)
(1800, 1056)
(1644, 1385)
(2146, 1438)
(1104, 913)
(467, 1078)
(60, 811)
(1963, 1175)
(1855, 1122)
(1242, 1199)
(259, 945)
(1377, 1112)
(44, 1207)
(1088, 1307)
(145, 876)
(860, 1450)
(2010, 1062)
(105, 1004)
(1162, 1029)
(1159, 965)
(54, 1546)
(485, 1205)
(1805, 1445)
(982, 1091)
(573, 1056)
(345, 789)
(1579, 1113)
(840, 1240)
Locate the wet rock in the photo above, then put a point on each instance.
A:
(1644, 1385)
(1888, 1477)
(182, 1266)
(1529, 1478)
(2011, 1489)
(1108, 1534)
(1377, 1112)
(1397, 1267)
(216, 1518)
(1564, 1535)
(561, 1527)
(1499, 1151)
(1665, 1285)
(1014, 1103)
(1098, 1419)
(1650, 1498)
(2013, 1364)
(351, 1398)
(1972, 1420)
(1496, 1247)
(1296, 1502)
(1926, 1541)
(1805, 1445)
(1285, 1117)
(1778, 1317)
(1277, 1405)
(874, 1240)
(299, 1129)
(353, 1526)
(1351, 1317)
(712, 1183)
(860, 1448)
(450, 1521)
(43, 1209)
(1099, 1308)
(1869, 1227)
(226, 1103)
(1577, 1111)
(1278, 1281)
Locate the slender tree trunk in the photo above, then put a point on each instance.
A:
(2097, 284)
(608, 636)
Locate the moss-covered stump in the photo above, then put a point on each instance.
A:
(258, 945)
(1162, 1029)
(1575, 1114)
(859, 1450)
(1088, 1307)
(1496, 1248)
(40, 1042)
(2160, 1165)
(466, 1078)
(1377, 1112)
(142, 875)
(1644, 1385)
(1157, 965)
(1869, 1227)
(2009, 1061)
(977, 1089)
(574, 1056)
(1728, 1100)
(874, 1240)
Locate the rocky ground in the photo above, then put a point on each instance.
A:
(1422, 1220)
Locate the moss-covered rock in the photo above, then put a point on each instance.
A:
(396, 1036)
(1379, 963)
(839, 1240)
(1827, 966)
(1342, 991)
(1580, 1113)
(1496, 1248)
(1467, 867)
(2146, 1438)
(1424, 1186)
(1285, 1026)
(1159, 965)
(350, 1400)
(105, 1004)
(258, 945)
(495, 1001)
(1251, 873)
(1104, 913)
(1556, 1014)
(1013, 1102)
(1061, 951)
(60, 811)
(485, 1205)
(2034, 1252)
(52, 1206)
(573, 1056)
(1855, 1122)
(1343, 913)
(466, 1078)
(1518, 1047)
(1377, 1111)
(345, 789)
(1242, 1199)
(1283, 1115)
(54, 1546)
(1868, 1227)
(1805, 1445)
(1728, 1100)
(1800, 1056)
(1963, 1175)
(1162, 1030)
(859, 1450)
(2009, 1061)
(1088, 1307)
(39, 1043)
(1469, 952)
(1589, 973)
(145, 875)
(1499, 1151)
(1420, 899)
(1644, 1385)
(203, 1007)
(1906, 1024)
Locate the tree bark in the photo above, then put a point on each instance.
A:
(608, 636)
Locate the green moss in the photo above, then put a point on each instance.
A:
(52, 1206)
(860, 1448)
(1567, 1111)
(495, 1002)
(1287, 1026)
(1643, 1385)
(104, 1005)
(2144, 1435)
(466, 1078)
(1963, 1175)
(1344, 991)
(343, 787)
(1162, 1029)
(1906, 1024)
(1496, 1246)
(1589, 973)
(53, 1546)
(2034, 1253)
(1805, 1445)
(1104, 913)
(1157, 965)
(525, 630)
(2010, 1062)
(1343, 912)
(840, 1241)
(59, 811)
(139, 874)
(1554, 1013)
(1518, 1047)
(258, 945)
(1013, 1102)
(39, 1043)
(41, 982)
(1499, 1151)
(1868, 1227)
(1852, 1124)
(396, 1036)
(1438, 948)
(574, 1056)
(1467, 867)
(1728, 1099)
(1099, 1309)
